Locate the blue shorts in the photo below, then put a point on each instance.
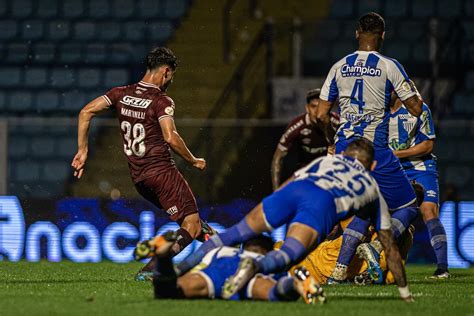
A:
(429, 181)
(304, 203)
(390, 176)
(222, 267)
(217, 272)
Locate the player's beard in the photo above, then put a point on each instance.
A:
(165, 86)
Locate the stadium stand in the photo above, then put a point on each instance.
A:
(55, 55)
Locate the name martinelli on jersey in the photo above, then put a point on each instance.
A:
(133, 114)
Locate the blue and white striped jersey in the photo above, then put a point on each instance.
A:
(407, 131)
(363, 82)
(351, 185)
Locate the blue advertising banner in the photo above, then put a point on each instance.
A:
(92, 230)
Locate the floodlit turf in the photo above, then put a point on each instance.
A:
(107, 288)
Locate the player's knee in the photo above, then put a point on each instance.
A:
(429, 211)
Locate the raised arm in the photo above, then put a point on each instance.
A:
(178, 145)
(93, 108)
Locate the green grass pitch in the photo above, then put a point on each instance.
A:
(109, 289)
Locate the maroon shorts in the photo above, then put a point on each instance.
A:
(170, 192)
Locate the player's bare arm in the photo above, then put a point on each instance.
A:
(178, 145)
(395, 265)
(422, 149)
(277, 163)
(324, 119)
(93, 108)
(414, 105)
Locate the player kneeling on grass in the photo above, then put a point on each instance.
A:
(326, 191)
(207, 278)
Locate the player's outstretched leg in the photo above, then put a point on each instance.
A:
(352, 237)
(192, 227)
(252, 225)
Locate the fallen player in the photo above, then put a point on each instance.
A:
(363, 269)
(207, 278)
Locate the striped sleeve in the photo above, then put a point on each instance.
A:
(329, 90)
(425, 127)
(400, 81)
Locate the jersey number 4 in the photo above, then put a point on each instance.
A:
(134, 139)
(357, 95)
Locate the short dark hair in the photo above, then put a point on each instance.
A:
(312, 94)
(161, 56)
(263, 241)
(371, 23)
(362, 150)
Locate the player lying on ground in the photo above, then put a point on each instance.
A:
(412, 140)
(145, 115)
(362, 82)
(206, 279)
(323, 193)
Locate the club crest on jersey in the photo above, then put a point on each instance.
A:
(409, 125)
(136, 102)
(359, 70)
(305, 131)
(169, 110)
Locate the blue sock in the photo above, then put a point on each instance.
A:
(402, 218)
(284, 290)
(277, 260)
(352, 237)
(236, 234)
(439, 242)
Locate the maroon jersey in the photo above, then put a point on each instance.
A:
(309, 140)
(139, 109)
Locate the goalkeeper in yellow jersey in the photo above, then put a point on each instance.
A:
(321, 262)
(369, 266)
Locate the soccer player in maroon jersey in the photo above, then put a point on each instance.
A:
(304, 135)
(145, 115)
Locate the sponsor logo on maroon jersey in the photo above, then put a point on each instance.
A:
(136, 102)
(172, 210)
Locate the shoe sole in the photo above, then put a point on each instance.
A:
(373, 267)
(443, 276)
(234, 283)
(312, 292)
(157, 246)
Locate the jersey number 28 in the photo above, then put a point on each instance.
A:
(134, 139)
